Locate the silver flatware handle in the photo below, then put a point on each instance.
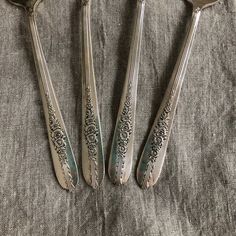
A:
(62, 154)
(152, 158)
(92, 148)
(120, 161)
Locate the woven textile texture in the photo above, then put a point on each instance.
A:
(196, 194)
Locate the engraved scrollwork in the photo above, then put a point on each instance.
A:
(124, 130)
(159, 136)
(91, 133)
(58, 138)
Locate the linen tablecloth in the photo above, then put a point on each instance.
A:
(196, 194)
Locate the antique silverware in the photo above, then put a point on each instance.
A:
(92, 149)
(62, 154)
(120, 161)
(152, 158)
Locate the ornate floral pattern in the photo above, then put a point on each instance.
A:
(124, 130)
(159, 136)
(160, 133)
(58, 138)
(91, 133)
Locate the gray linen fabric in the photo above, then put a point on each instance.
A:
(196, 194)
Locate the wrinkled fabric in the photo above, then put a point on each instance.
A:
(196, 193)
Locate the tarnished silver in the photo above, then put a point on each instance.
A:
(120, 161)
(152, 158)
(92, 148)
(62, 154)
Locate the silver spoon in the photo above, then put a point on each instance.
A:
(92, 149)
(152, 158)
(120, 161)
(62, 154)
